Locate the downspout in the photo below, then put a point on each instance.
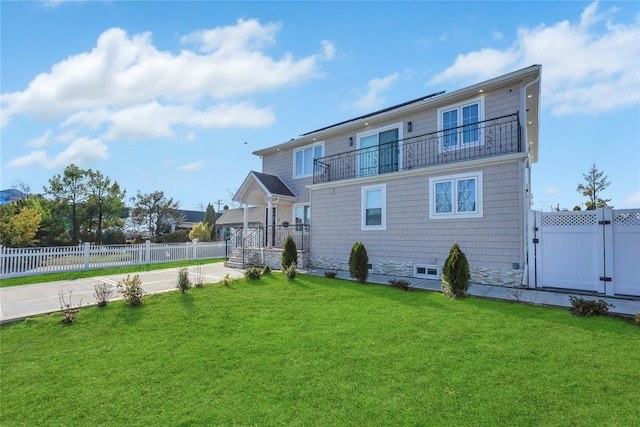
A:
(527, 170)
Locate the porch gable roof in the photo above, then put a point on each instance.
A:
(271, 186)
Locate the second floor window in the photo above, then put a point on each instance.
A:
(459, 124)
(303, 159)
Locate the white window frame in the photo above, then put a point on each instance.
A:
(293, 217)
(302, 150)
(458, 107)
(383, 211)
(454, 214)
(376, 131)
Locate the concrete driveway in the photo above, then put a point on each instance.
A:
(18, 302)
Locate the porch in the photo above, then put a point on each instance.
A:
(494, 137)
(263, 245)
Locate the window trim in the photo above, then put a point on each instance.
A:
(458, 107)
(293, 217)
(363, 207)
(302, 149)
(359, 136)
(454, 214)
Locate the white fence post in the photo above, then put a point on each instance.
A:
(195, 249)
(607, 237)
(147, 252)
(87, 255)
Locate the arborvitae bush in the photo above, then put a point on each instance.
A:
(289, 253)
(359, 262)
(266, 270)
(455, 273)
(253, 273)
(131, 290)
(290, 271)
(184, 283)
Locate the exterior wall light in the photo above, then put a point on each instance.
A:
(409, 126)
(350, 141)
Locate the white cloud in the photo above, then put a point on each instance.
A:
(590, 66)
(192, 167)
(554, 191)
(153, 120)
(631, 201)
(41, 141)
(80, 151)
(122, 71)
(375, 88)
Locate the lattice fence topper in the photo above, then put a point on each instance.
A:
(571, 219)
(630, 217)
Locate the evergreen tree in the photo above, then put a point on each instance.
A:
(210, 219)
(594, 184)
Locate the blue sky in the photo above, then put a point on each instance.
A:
(175, 96)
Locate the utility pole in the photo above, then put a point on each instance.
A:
(218, 202)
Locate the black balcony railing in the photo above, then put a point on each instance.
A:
(493, 137)
(272, 236)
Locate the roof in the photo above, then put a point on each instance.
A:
(192, 216)
(11, 194)
(271, 187)
(528, 78)
(232, 217)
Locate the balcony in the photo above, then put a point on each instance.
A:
(489, 138)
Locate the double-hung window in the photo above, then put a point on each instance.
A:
(303, 159)
(374, 207)
(456, 196)
(460, 125)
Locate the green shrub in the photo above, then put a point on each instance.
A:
(291, 272)
(289, 253)
(103, 292)
(253, 273)
(266, 270)
(178, 236)
(184, 283)
(588, 307)
(359, 262)
(131, 290)
(455, 273)
(331, 274)
(405, 285)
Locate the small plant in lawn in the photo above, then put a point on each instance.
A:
(69, 311)
(226, 280)
(131, 290)
(266, 270)
(405, 285)
(103, 292)
(588, 307)
(289, 253)
(331, 274)
(455, 273)
(184, 283)
(290, 271)
(638, 319)
(359, 262)
(200, 276)
(253, 273)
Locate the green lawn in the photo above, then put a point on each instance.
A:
(319, 352)
(72, 275)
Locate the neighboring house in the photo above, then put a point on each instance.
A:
(11, 195)
(410, 180)
(232, 219)
(189, 219)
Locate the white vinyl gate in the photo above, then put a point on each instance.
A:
(595, 251)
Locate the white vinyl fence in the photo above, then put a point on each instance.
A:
(17, 262)
(591, 251)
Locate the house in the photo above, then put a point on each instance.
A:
(11, 195)
(232, 219)
(409, 181)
